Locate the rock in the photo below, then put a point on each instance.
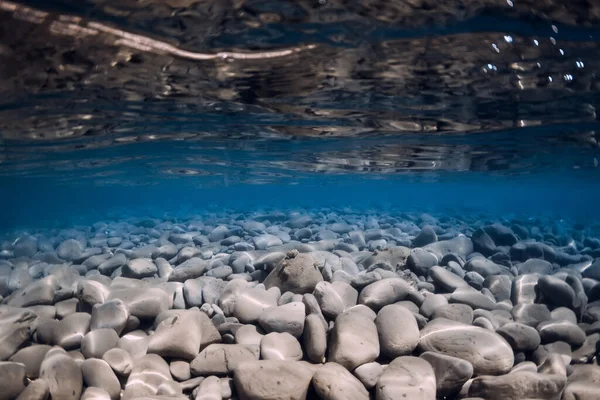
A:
(70, 250)
(315, 338)
(483, 243)
(431, 303)
(395, 256)
(70, 331)
(451, 373)
(456, 312)
(398, 331)
(530, 314)
(280, 346)
(190, 269)
(555, 291)
(460, 245)
(32, 357)
(142, 302)
(40, 292)
(535, 266)
(117, 261)
(36, 390)
(209, 389)
(97, 373)
(499, 286)
(249, 335)
(488, 352)
(139, 268)
(521, 337)
(485, 267)
(354, 340)
(473, 298)
(95, 393)
(180, 370)
(583, 383)
(553, 331)
(518, 386)
(501, 235)
(119, 360)
(220, 359)
(445, 279)
(113, 315)
(178, 336)
(335, 298)
(420, 261)
(96, 343)
(296, 273)
(407, 377)
(334, 382)
(25, 246)
(369, 374)
(272, 379)
(286, 318)
(12, 379)
(251, 303)
(63, 375)
(384, 292)
(148, 374)
(16, 327)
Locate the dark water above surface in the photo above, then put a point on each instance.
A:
(154, 107)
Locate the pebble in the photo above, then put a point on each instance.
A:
(32, 357)
(273, 379)
(36, 390)
(518, 386)
(315, 338)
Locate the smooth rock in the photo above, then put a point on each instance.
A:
(220, 359)
(12, 380)
(407, 377)
(296, 273)
(280, 346)
(286, 318)
(119, 360)
(334, 382)
(315, 338)
(398, 331)
(36, 390)
(32, 357)
(451, 373)
(142, 302)
(63, 375)
(518, 386)
(384, 292)
(335, 298)
(272, 379)
(97, 373)
(521, 337)
(251, 303)
(97, 342)
(369, 373)
(113, 314)
(16, 327)
(354, 340)
(178, 336)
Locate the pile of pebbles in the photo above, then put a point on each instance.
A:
(293, 305)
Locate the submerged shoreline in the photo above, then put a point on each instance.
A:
(315, 304)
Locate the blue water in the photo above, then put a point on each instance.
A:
(444, 108)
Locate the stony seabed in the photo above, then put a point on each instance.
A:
(291, 305)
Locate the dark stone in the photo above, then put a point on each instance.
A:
(499, 285)
(425, 237)
(501, 235)
(535, 265)
(483, 243)
(531, 314)
(419, 261)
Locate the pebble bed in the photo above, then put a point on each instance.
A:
(317, 304)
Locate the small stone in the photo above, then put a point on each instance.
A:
(180, 370)
(119, 360)
(335, 298)
(315, 338)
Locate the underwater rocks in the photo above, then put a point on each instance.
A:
(319, 304)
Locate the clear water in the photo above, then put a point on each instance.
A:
(112, 109)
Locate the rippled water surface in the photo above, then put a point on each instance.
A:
(171, 104)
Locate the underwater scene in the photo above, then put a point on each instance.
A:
(299, 199)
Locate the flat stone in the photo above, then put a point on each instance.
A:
(445, 279)
(518, 386)
(487, 351)
(354, 340)
(286, 318)
(139, 268)
(272, 379)
(142, 302)
(398, 331)
(220, 359)
(334, 382)
(407, 377)
(451, 373)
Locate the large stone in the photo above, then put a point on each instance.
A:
(96, 343)
(334, 382)
(487, 351)
(315, 338)
(518, 386)
(16, 327)
(142, 302)
(398, 331)
(335, 298)
(251, 303)
(286, 318)
(384, 292)
(32, 357)
(451, 373)
(354, 340)
(148, 374)
(139, 268)
(12, 380)
(113, 314)
(178, 336)
(97, 373)
(446, 280)
(583, 383)
(407, 378)
(63, 375)
(520, 336)
(271, 379)
(36, 390)
(220, 359)
(280, 346)
(297, 273)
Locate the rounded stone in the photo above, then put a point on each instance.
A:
(296, 273)
(456, 312)
(354, 340)
(272, 379)
(451, 373)
(280, 346)
(96, 343)
(398, 331)
(521, 337)
(553, 331)
(286, 318)
(63, 375)
(487, 351)
(384, 292)
(315, 338)
(119, 360)
(221, 359)
(97, 373)
(113, 314)
(178, 336)
(251, 303)
(12, 379)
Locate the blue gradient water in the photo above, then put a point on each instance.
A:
(120, 109)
